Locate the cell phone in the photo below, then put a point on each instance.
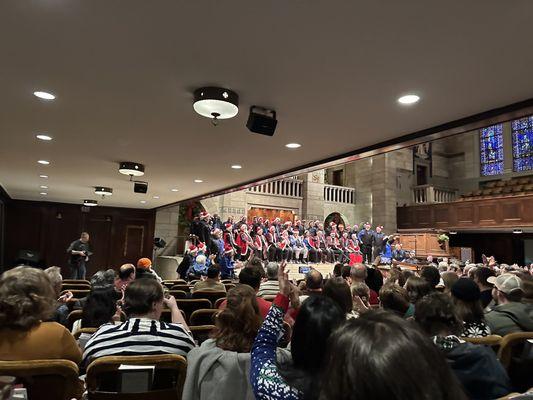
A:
(303, 269)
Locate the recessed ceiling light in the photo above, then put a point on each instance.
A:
(90, 203)
(293, 145)
(43, 187)
(155, 197)
(174, 190)
(44, 137)
(43, 193)
(43, 162)
(409, 99)
(143, 201)
(43, 176)
(44, 95)
(198, 181)
(236, 166)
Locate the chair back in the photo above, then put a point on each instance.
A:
(72, 317)
(509, 343)
(106, 380)
(209, 295)
(76, 281)
(516, 355)
(78, 333)
(166, 315)
(75, 286)
(178, 294)
(45, 379)
(181, 286)
(203, 317)
(191, 305)
(171, 282)
(229, 286)
(201, 333)
(77, 293)
(219, 302)
(490, 340)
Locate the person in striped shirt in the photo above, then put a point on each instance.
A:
(270, 287)
(142, 333)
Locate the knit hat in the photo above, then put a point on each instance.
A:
(466, 289)
(506, 283)
(144, 263)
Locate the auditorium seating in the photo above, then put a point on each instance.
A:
(104, 378)
(75, 286)
(81, 331)
(77, 281)
(229, 286)
(166, 315)
(178, 294)
(219, 302)
(209, 295)
(502, 188)
(77, 293)
(181, 286)
(191, 305)
(203, 317)
(72, 317)
(493, 341)
(170, 283)
(201, 333)
(45, 379)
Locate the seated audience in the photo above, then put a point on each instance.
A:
(480, 277)
(99, 309)
(360, 297)
(467, 300)
(338, 290)
(26, 299)
(381, 356)
(431, 275)
(220, 368)
(211, 283)
(393, 297)
(509, 315)
(359, 274)
(143, 332)
(417, 288)
(271, 286)
(126, 275)
(337, 270)
(62, 310)
(145, 270)
(251, 276)
(480, 373)
(103, 279)
(317, 318)
(448, 278)
(313, 284)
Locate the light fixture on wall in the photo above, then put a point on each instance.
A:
(103, 191)
(453, 232)
(131, 168)
(216, 103)
(90, 203)
(517, 231)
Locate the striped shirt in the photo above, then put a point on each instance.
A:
(268, 288)
(138, 336)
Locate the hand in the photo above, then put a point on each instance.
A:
(294, 296)
(212, 257)
(283, 279)
(170, 302)
(65, 297)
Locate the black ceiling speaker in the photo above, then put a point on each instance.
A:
(262, 121)
(140, 187)
(159, 243)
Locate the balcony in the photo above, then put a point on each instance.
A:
(288, 187)
(429, 194)
(339, 194)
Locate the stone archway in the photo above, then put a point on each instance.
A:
(335, 217)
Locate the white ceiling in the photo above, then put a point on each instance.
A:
(124, 72)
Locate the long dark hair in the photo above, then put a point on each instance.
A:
(100, 307)
(469, 311)
(317, 318)
(380, 356)
(417, 288)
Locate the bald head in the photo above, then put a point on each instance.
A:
(313, 280)
(358, 273)
(126, 271)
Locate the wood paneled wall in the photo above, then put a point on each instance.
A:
(508, 212)
(118, 235)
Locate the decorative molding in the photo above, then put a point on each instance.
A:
(232, 210)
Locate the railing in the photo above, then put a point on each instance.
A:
(426, 194)
(287, 187)
(339, 194)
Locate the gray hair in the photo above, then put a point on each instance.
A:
(54, 275)
(272, 269)
(103, 279)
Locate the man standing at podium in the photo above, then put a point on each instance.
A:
(79, 251)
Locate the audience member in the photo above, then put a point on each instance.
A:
(480, 373)
(431, 275)
(417, 288)
(338, 290)
(99, 309)
(467, 300)
(126, 275)
(27, 299)
(358, 274)
(480, 276)
(314, 284)
(220, 368)
(448, 278)
(145, 270)
(337, 270)
(509, 315)
(143, 332)
(393, 297)
(317, 318)
(271, 286)
(61, 312)
(380, 356)
(211, 283)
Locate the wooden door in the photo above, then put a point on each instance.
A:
(99, 229)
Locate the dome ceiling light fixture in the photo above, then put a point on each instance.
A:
(131, 168)
(103, 191)
(90, 203)
(216, 103)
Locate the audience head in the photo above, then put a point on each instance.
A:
(144, 263)
(314, 281)
(381, 356)
(337, 269)
(435, 313)
(507, 288)
(103, 279)
(431, 275)
(417, 288)
(213, 272)
(345, 271)
(358, 273)
(200, 259)
(272, 271)
(361, 290)
(481, 275)
(99, 308)
(338, 290)
(126, 271)
(250, 276)
(238, 323)
(143, 298)
(466, 298)
(26, 298)
(56, 280)
(394, 298)
(84, 237)
(449, 278)
(404, 275)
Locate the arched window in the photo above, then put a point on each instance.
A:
(491, 150)
(522, 130)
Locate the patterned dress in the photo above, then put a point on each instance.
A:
(267, 383)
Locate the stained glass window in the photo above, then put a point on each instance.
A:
(522, 144)
(491, 150)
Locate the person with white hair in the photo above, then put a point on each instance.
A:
(271, 286)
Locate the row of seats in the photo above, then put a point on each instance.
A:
(511, 187)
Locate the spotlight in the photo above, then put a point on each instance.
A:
(216, 103)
